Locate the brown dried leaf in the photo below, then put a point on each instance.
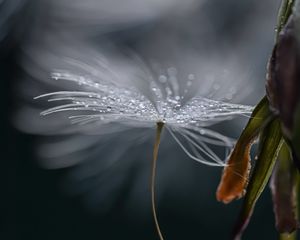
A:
(236, 173)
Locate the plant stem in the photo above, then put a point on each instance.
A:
(154, 161)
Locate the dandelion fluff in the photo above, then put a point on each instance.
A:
(95, 95)
(105, 99)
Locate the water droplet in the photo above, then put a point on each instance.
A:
(162, 79)
(141, 105)
(168, 91)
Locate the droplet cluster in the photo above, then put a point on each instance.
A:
(106, 101)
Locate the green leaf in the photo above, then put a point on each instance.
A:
(270, 144)
(284, 14)
(260, 117)
(235, 174)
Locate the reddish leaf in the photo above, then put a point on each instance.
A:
(235, 174)
(283, 80)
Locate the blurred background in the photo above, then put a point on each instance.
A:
(225, 44)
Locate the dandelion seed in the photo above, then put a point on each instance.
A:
(104, 100)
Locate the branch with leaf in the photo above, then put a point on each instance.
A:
(275, 121)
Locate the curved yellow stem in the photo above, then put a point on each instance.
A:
(154, 161)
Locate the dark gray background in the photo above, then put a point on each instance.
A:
(35, 203)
